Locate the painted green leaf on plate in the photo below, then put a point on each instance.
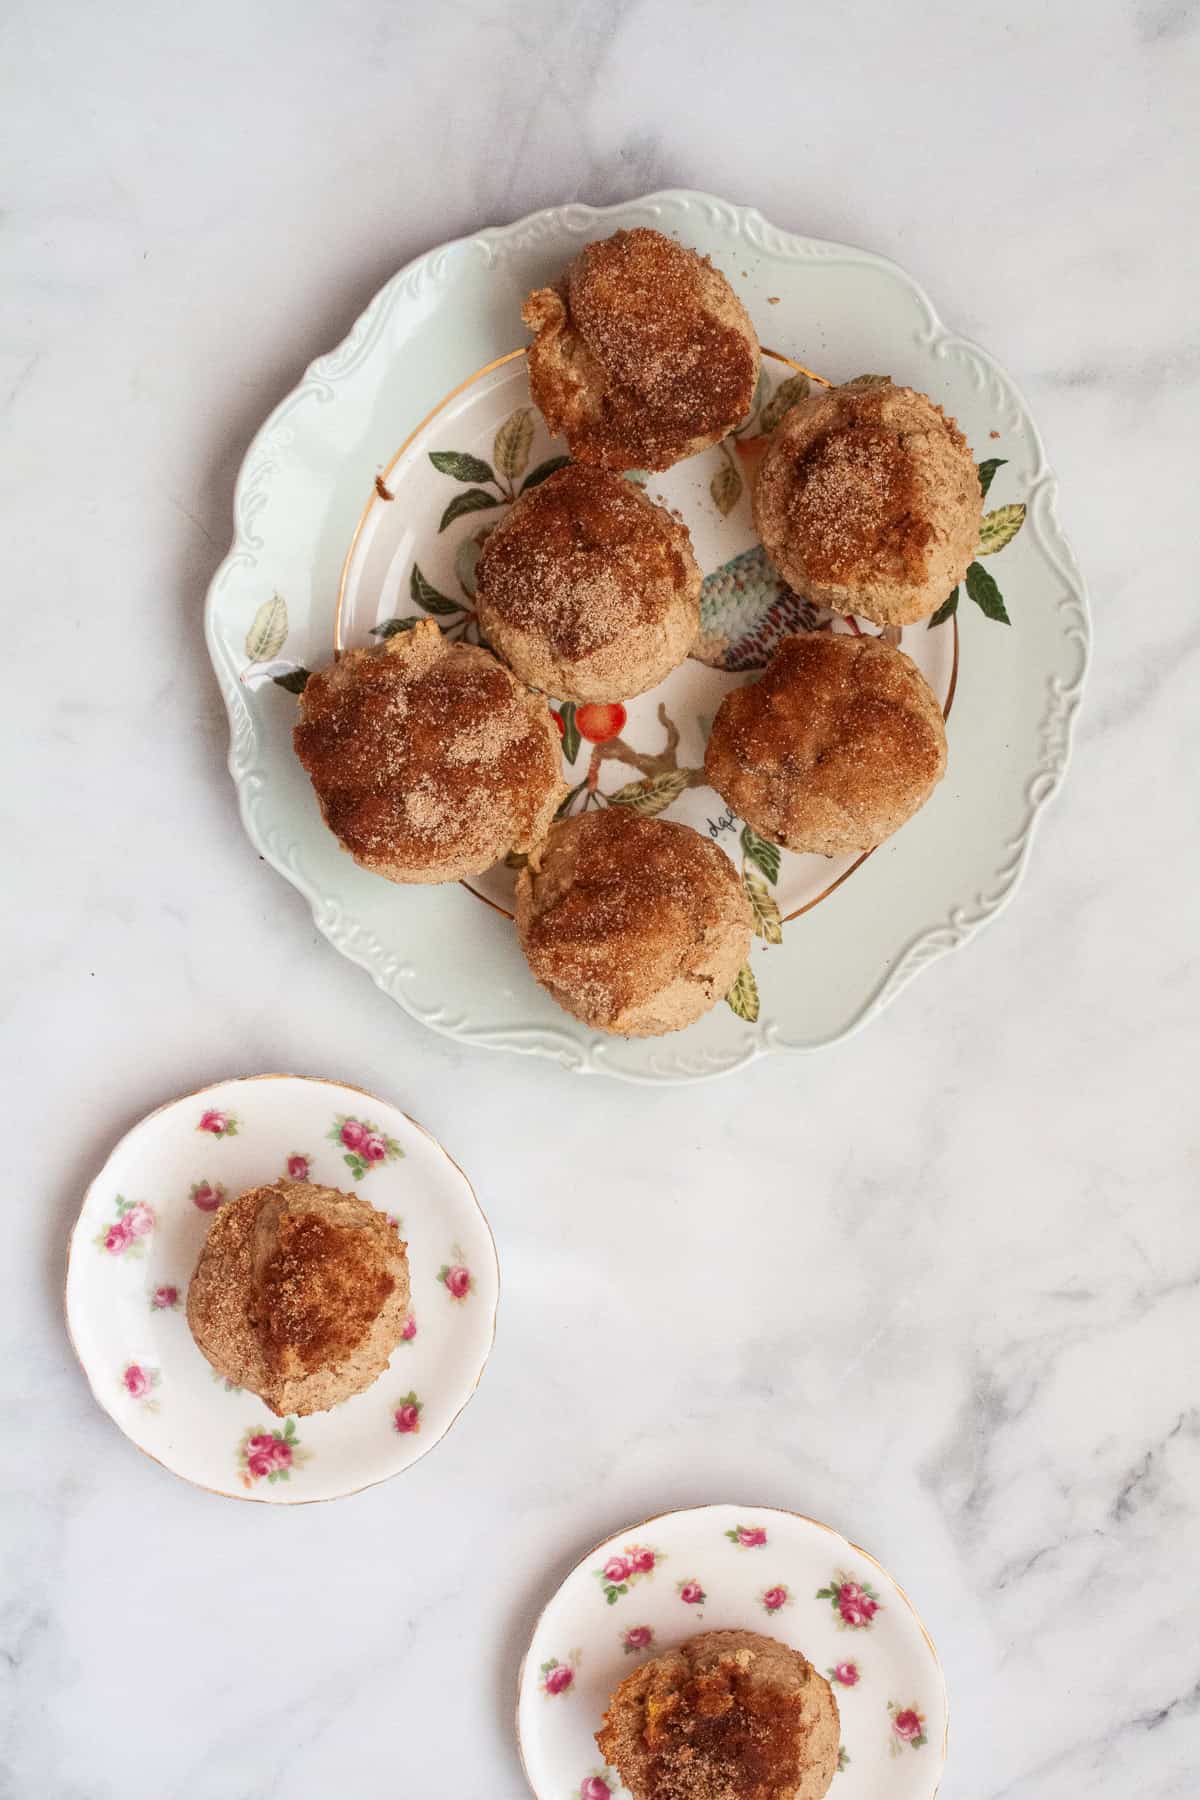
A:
(999, 528)
(767, 922)
(761, 852)
(462, 466)
(654, 795)
(945, 611)
(725, 488)
(268, 634)
(987, 471)
(514, 441)
(427, 596)
(474, 500)
(986, 594)
(536, 476)
(786, 394)
(570, 735)
(742, 997)
(295, 681)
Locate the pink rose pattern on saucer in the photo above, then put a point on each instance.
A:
(410, 1329)
(220, 1124)
(270, 1456)
(854, 1602)
(456, 1279)
(773, 1599)
(637, 1639)
(165, 1298)
(297, 1166)
(908, 1729)
(127, 1234)
(365, 1146)
(207, 1196)
(844, 1674)
(407, 1415)
(139, 1382)
(599, 1785)
(620, 1572)
(747, 1537)
(559, 1677)
(691, 1593)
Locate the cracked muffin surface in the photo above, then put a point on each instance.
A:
(867, 501)
(637, 926)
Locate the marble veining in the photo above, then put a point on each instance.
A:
(940, 1284)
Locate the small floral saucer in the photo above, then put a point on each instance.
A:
(136, 1244)
(751, 1568)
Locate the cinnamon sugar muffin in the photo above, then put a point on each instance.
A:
(430, 762)
(301, 1295)
(868, 501)
(838, 743)
(644, 354)
(729, 1715)
(587, 589)
(637, 926)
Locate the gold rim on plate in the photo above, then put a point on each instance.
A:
(349, 1087)
(377, 498)
(709, 1506)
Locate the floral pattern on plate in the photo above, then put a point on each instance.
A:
(406, 1416)
(219, 1124)
(855, 1603)
(298, 1167)
(270, 1454)
(908, 1729)
(139, 1382)
(559, 1677)
(900, 1682)
(747, 1537)
(127, 1234)
(455, 1277)
(206, 1428)
(625, 1568)
(365, 1145)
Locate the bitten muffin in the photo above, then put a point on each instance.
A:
(729, 1715)
(587, 589)
(430, 762)
(301, 1295)
(637, 926)
(868, 501)
(838, 743)
(643, 355)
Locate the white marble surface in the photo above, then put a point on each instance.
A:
(940, 1286)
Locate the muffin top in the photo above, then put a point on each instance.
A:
(868, 501)
(587, 589)
(729, 1715)
(643, 355)
(301, 1294)
(838, 743)
(635, 925)
(429, 760)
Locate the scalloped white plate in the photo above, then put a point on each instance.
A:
(139, 1235)
(306, 488)
(747, 1568)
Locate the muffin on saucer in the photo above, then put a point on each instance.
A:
(300, 1295)
(429, 760)
(588, 590)
(834, 748)
(643, 353)
(729, 1715)
(868, 501)
(637, 926)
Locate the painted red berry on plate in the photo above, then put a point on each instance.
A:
(600, 720)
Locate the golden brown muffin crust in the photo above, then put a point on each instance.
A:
(838, 743)
(644, 353)
(588, 589)
(729, 1715)
(429, 760)
(300, 1294)
(635, 925)
(868, 501)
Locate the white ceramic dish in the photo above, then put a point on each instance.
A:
(310, 522)
(135, 1246)
(720, 1568)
